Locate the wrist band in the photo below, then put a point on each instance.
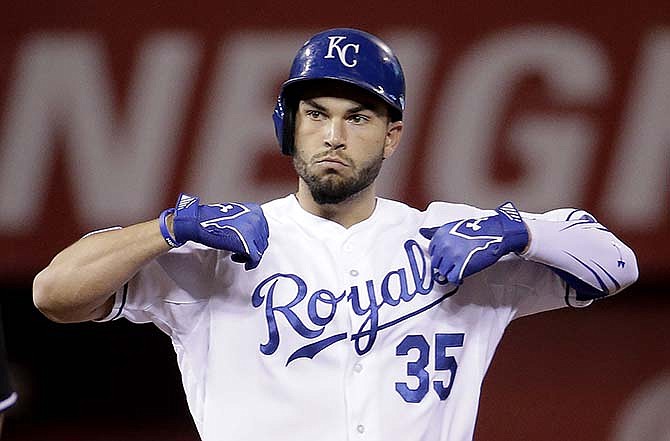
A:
(164, 229)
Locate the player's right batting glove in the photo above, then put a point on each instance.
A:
(239, 228)
(461, 248)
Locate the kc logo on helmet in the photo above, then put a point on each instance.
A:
(334, 44)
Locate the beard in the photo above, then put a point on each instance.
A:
(333, 188)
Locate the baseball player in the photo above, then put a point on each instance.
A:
(7, 394)
(331, 313)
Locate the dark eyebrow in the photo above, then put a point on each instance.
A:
(359, 108)
(316, 105)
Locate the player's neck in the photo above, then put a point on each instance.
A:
(349, 212)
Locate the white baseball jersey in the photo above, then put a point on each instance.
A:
(346, 333)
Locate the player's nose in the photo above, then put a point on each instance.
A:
(335, 134)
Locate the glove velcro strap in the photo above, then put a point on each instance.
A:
(186, 224)
(165, 232)
(515, 233)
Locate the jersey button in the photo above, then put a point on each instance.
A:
(353, 273)
(348, 248)
(358, 367)
(360, 428)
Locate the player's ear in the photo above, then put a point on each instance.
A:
(392, 140)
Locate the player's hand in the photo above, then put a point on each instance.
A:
(461, 248)
(239, 228)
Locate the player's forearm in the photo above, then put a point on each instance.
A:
(585, 252)
(79, 282)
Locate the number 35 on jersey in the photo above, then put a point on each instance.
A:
(421, 353)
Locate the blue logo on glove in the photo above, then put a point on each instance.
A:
(239, 228)
(230, 211)
(462, 248)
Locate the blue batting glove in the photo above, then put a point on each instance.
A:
(239, 228)
(461, 248)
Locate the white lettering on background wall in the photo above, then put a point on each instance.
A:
(117, 165)
(639, 180)
(555, 151)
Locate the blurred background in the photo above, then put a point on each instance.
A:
(109, 109)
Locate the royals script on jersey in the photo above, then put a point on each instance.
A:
(339, 334)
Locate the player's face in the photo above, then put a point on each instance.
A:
(340, 143)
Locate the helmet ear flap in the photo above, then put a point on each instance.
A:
(284, 122)
(288, 129)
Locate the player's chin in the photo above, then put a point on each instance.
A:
(335, 178)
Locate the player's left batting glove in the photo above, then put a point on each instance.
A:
(239, 228)
(461, 248)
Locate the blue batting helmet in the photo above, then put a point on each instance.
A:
(348, 55)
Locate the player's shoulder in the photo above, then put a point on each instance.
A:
(279, 202)
(389, 213)
(280, 207)
(388, 205)
(452, 211)
(561, 214)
